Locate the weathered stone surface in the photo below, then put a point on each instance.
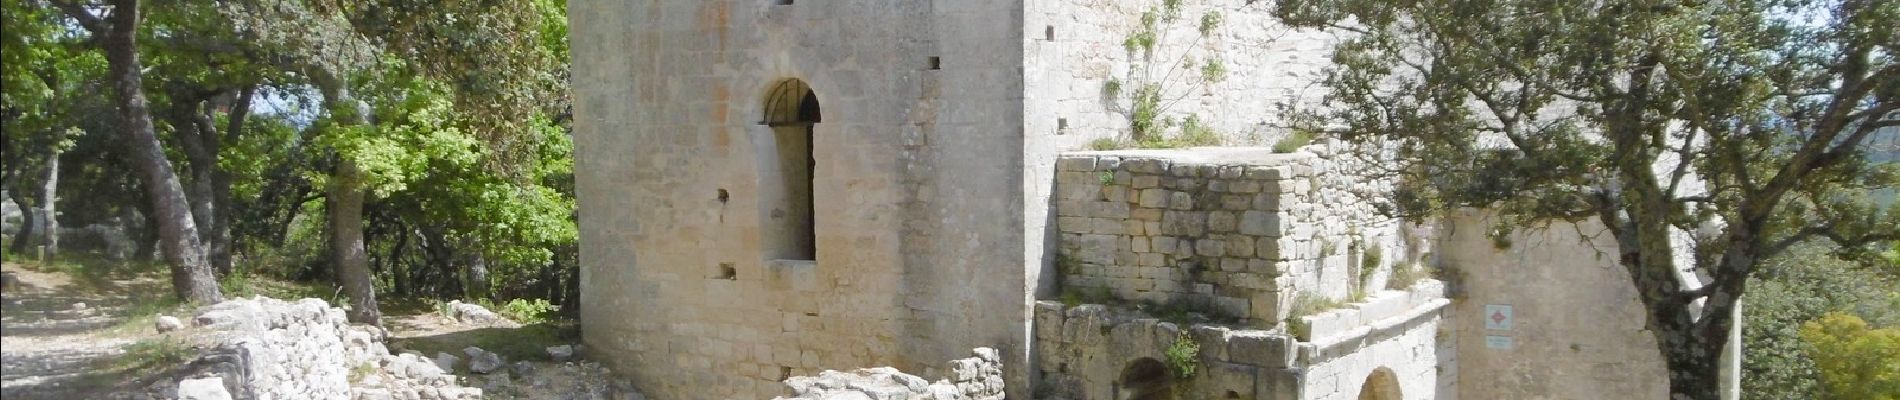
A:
(203, 389)
(446, 361)
(482, 361)
(561, 353)
(975, 378)
(273, 349)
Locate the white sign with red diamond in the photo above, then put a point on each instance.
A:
(1497, 317)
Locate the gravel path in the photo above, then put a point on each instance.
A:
(53, 337)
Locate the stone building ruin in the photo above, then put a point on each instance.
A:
(776, 188)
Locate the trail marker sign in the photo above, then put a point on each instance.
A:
(1497, 317)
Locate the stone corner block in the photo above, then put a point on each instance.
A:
(1262, 348)
(1076, 163)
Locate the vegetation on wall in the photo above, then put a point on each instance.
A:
(1156, 82)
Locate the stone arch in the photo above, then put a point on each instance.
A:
(1145, 379)
(1382, 384)
(790, 109)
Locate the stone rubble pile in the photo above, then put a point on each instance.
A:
(263, 348)
(974, 378)
(584, 380)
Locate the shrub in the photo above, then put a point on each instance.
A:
(1855, 362)
(1183, 356)
(1293, 142)
(529, 311)
(1403, 276)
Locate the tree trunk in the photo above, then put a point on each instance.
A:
(221, 184)
(348, 254)
(147, 233)
(178, 235)
(21, 238)
(347, 251)
(476, 283)
(49, 199)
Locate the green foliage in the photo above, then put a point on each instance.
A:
(1404, 276)
(1075, 296)
(1854, 362)
(360, 371)
(1294, 141)
(154, 354)
(528, 311)
(1373, 259)
(1107, 144)
(1105, 177)
(1184, 356)
(1154, 92)
(1193, 134)
(1307, 304)
(1801, 286)
(1567, 111)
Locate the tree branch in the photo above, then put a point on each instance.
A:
(92, 23)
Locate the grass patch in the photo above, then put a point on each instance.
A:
(361, 371)
(1404, 276)
(1193, 134)
(1072, 297)
(142, 309)
(1106, 144)
(152, 354)
(247, 284)
(1294, 141)
(1304, 305)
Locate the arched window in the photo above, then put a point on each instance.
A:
(791, 108)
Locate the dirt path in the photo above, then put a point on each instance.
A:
(56, 333)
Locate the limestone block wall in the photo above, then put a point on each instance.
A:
(1238, 230)
(1074, 48)
(917, 188)
(1102, 352)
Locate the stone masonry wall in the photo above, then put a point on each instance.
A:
(1238, 230)
(1089, 351)
(917, 189)
(1073, 48)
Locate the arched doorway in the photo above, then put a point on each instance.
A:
(1145, 379)
(791, 109)
(1382, 384)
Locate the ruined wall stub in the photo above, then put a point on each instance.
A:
(1573, 327)
(917, 160)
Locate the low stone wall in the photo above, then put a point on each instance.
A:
(1234, 230)
(974, 378)
(263, 348)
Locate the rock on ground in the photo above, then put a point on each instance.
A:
(167, 323)
(203, 389)
(465, 312)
